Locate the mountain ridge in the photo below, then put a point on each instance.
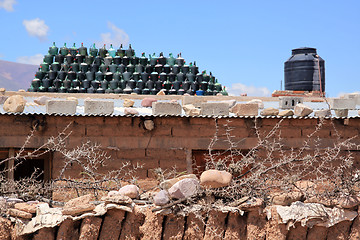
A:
(15, 76)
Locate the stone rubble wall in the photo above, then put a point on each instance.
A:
(142, 223)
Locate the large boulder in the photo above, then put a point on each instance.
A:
(147, 102)
(301, 110)
(14, 104)
(184, 188)
(215, 178)
(132, 191)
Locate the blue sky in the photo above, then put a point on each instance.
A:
(243, 43)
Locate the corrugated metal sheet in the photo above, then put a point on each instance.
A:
(34, 109)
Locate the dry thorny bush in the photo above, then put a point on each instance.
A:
(269, 167)
(266, 168)
(89, 158)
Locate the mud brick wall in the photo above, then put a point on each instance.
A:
(142, 223)
(170, 143)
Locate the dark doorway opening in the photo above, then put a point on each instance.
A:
(28, 167)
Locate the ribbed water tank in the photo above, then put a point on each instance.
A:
(302, 71)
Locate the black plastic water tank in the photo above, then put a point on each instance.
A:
(302, 71)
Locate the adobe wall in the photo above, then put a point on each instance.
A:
(172, 140)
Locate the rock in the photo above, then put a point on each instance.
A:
(21, 90)
(161, 198)
(18, 213)
(285, 199)
(131, 191)
(184, 188)
(90, 228)
(301, 110)
(79, 200)
(161, 93)
(133, 93)
(258, 101)
(128, 103)
(191, 110)
(78, 205)
(10, 202)
(215, 179)
(79, 209)
(149, 125)
(245, 109)
(27, 207)
(173, 101)
(286, 113)
(166, 184)
(341, 112)
(147, 102)
(14, 104)
(117, 198)
(186, 94)
(269, 112)
(3, 99)
(41, 100)
(322, 113)
(252, 204)
(5, 229)
(230, 102)
(130, 111)
(2, 91)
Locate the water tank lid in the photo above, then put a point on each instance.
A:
(303, 50)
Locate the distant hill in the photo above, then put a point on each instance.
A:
(15, 76)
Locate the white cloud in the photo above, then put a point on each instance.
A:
(34, 60)
(116, 37)
(7, 5)
(238, 88)
(37, 28)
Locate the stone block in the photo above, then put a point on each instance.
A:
(322, 113)
(215, 178)
(258, 101)
(269, 112)
(14, 104)
(289, 102)
(246, 109)
(166, 108)
(355, 96)
(191, 110)
(98, 107)
(339, 103)
(341, 112)
(215, 108)
(286, 113)
(61, 106)
(301, 110)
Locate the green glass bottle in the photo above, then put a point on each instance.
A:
(53, 50)
(112, 51)
(93, 50)
(224, 92)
